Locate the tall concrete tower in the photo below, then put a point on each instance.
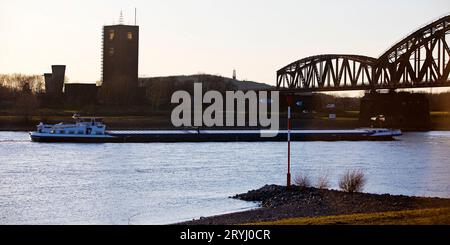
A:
(54, 82)
(120, 58)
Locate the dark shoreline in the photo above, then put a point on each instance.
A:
(28, 129)
(279, 202)
(162, 121)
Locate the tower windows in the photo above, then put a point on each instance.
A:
(111, 35)
(130, 35)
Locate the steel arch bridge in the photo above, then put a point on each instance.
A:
(422, 59)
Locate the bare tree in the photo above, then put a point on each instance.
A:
(302, 180)
(17, 81)
(352, 181)
(26, 104)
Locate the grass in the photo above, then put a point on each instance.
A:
(339, 118)
(439, 113)
(433, 216)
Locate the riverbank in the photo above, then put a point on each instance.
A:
(430, 216)
(278, 203)
(161, 120)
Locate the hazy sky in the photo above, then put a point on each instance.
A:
(255, 37)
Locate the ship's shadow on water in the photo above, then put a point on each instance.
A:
(144, 171)
(171, 182)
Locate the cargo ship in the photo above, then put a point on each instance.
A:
(93, 130)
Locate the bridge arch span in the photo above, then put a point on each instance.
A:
(419, 60)
(329, 71)
(422, 59)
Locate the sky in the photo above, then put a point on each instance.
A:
(182, 37)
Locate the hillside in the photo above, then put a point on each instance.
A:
(210, 81)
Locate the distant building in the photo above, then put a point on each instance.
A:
(120, 59)
(81, 93)
(404, 110)
(48, 82)
(54, 82)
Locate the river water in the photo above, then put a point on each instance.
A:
(152, 183)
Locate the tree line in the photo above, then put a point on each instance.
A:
(22, 90)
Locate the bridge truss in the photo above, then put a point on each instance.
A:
(422, 59)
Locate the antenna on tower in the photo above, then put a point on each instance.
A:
(135, 14)
(121, 18)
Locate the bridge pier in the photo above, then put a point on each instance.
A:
(407, 111)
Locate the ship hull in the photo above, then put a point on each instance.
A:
(67, 139)
(217, 136)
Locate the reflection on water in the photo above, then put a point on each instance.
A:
(152, 183)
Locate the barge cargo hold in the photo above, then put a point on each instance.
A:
(218, 136)
(86, 130)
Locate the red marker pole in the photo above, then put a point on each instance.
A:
(288, 177)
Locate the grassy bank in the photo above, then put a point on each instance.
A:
(161, 119)
(309, 205)
(440, 120)
(433, 216)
